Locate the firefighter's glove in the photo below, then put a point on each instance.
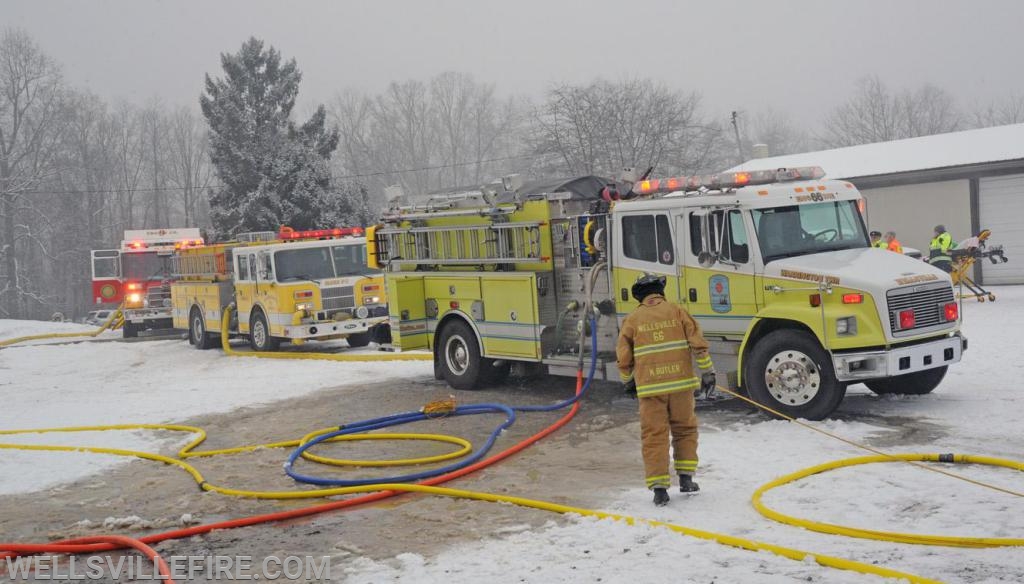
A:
(707, 383)
(629, 388)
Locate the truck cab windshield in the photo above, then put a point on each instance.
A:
(796, 230)
(350, 260)
(144, 266)
(318, 263)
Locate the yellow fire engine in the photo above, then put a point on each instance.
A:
(775, 266)
(288, 286)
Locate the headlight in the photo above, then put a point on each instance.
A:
(304, 306)
(846, 326)
(362, 312)
(371, 300)
(134, 298)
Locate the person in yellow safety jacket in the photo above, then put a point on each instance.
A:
(876, 240)
(892, 243)
(654, 351)
(938, 249)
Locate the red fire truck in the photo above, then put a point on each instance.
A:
(139, 276)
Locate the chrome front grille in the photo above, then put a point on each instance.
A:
(338, 297)
(927, 302)
(158, 296)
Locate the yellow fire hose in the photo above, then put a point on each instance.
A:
(188, 452)
(943, 540)
(225, 325)
(115, 321)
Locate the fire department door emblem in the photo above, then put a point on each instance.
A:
(719, 293)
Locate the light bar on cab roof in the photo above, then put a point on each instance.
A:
(288, 233)
(727, 180)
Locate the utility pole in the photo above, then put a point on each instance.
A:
(736, 129)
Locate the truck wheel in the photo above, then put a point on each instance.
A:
(358, 339)
(259, 333)
(197, 335)
(788, 371)
(459, 356)
(918, 383)
(129, 331)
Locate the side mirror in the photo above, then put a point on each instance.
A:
(706, 260)
(265, 266)
(708, 255)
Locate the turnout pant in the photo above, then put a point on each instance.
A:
(660, 416)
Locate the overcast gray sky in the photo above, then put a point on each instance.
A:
(796, 56)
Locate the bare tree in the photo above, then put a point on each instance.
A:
(31, 105)
(129, 155)
(423, 136)
(875, 114)
(153, 127)
(604, 126)
(1009, 110)
(775, 129)
(189, 166)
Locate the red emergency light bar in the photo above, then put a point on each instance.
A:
(727, 180)
(287, 233)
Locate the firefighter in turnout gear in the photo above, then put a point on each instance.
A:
(938, 250)
(654, 359)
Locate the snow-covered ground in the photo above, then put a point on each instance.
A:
(99, 383)
(10, 329)
(977, 410)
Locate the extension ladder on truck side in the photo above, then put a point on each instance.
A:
(460, 245)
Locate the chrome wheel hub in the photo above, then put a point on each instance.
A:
(456, 355)
(259, 334)
(792, 378)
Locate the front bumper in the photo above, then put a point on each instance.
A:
(332, 328)
(900, 360)
(140, 315)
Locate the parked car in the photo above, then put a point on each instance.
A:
(98, 317)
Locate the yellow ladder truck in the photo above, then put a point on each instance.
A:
(775, 265)
(288, 286)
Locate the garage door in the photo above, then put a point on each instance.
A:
(1002, 210)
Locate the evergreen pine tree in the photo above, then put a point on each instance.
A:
(273, 171)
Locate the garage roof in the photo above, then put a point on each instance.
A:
(996, 144)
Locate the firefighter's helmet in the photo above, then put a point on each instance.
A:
(648, 284)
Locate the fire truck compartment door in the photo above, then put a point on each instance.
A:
(407, 311)
(509, 327)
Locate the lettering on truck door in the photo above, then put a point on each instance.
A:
(721, 296)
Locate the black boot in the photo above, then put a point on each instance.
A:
(661, 497)
(686, 484)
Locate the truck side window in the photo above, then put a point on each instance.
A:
(739, 247)
(647, 238)
(665, 253)
(735, 244)
(243, 268)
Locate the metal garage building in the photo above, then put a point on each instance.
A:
(967, 181)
